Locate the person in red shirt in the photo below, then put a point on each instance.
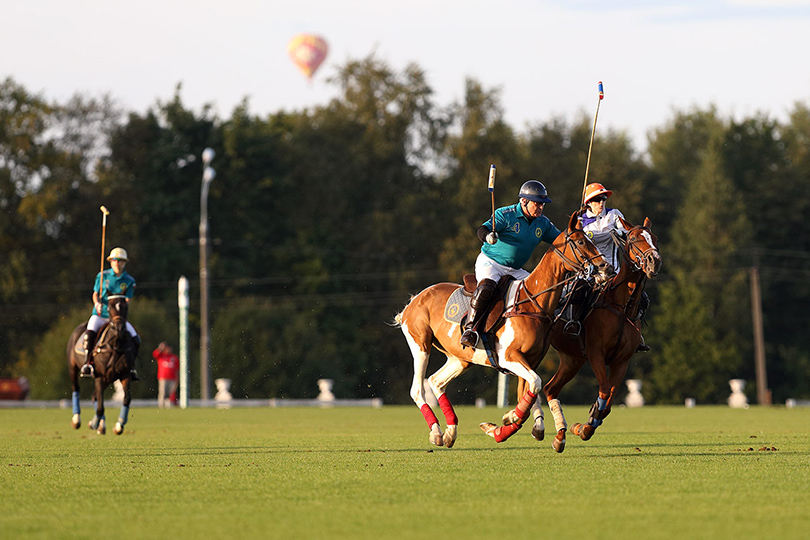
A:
(168, 370)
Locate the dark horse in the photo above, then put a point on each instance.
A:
(611, 331)
(521, 339)
(113, 357)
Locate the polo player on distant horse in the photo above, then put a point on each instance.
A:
(602, 225)
(116, 282)
(507, 246)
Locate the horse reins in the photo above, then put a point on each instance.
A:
(641, 255)
(579, 265)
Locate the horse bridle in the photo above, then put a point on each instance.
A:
(641, 256)
(582, 265)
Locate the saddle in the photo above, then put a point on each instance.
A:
(101, 338)
(458, 305)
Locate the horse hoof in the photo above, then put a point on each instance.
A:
(510, 417)
(436, 436)
(559, 442)
(489, 428)
(119, 429)
(449, 437)
(76, 422)
(582, 431)
(538, 433)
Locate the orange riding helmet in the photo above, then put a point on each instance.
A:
(594, 190)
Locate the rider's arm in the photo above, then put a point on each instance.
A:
(482, 233)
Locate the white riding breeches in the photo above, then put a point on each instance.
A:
(486, 268)
(95, 323)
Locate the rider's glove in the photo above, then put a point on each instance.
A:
(97, 308)
(492, 237)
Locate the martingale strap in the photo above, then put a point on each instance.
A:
(491, 356)
(533, 299)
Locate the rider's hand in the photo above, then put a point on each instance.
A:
(492, 237)
(97, 308)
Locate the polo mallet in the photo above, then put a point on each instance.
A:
(105, 213)
(491, 187)
(590, 146)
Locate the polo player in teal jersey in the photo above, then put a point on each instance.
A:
(507, 246)
(116, 282)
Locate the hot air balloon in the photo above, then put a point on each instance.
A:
(307, 51)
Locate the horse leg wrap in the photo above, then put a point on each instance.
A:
(430, 418)
(556, 411)
(123, 415)
(447, 409)
(76, 408)
(504, 432)
(597, 412)
(525, 406)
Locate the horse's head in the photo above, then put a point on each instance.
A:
(115, 355)
(641, 248)
(587, 258)
(119, 308)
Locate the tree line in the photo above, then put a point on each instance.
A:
(324, 221)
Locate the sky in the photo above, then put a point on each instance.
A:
(546, 57)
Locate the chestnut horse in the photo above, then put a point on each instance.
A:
(521, 337)
(113, 357)
(611, 331)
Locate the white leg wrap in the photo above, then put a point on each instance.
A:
(537, 412)
(556, 411)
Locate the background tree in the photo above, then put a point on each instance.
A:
(699, 320)
(324, 221)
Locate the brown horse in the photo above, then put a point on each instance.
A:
(611, 331)
(521, 337)
(113, 358)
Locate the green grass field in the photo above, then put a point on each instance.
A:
(649, 473)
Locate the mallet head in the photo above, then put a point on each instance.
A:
(104, 210)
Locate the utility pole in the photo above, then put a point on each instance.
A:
(763, 392)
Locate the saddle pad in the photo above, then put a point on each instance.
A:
(457, 306)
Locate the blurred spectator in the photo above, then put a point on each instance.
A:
(168, 370)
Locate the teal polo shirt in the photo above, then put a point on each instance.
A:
(518, 235)
(113, 285)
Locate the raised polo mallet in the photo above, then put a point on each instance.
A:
(491, 187)
(105, 213)
(590, 146)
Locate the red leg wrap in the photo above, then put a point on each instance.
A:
(525, 405)
(447, 409)
(504, 432)
(430, 418)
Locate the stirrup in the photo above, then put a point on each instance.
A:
(572, 328)
(469, 338)
(133, 375)
(87, 370)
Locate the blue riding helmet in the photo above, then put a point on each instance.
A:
(534, 191)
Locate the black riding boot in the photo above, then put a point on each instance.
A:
(478, 304)
(136, 344)
(89, 338)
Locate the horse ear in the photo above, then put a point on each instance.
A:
(626, 224)
(647, 223)
(573, 222)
